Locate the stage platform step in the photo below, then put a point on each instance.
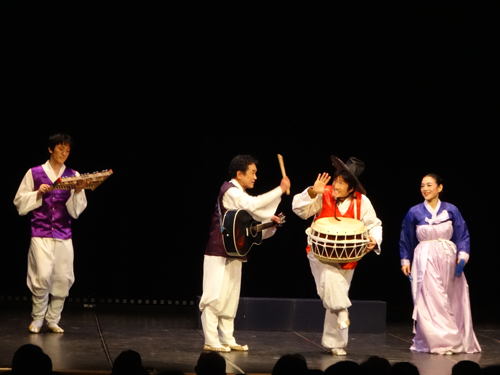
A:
(303, 315)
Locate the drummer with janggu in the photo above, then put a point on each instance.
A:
(334, 207)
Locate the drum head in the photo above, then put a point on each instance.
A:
(338, 241)
(330, 225)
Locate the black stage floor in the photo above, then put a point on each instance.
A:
(171, 340)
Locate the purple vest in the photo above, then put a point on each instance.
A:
(215, 245)
(51, 219)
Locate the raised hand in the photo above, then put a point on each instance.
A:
(319, 185)
(285, 184)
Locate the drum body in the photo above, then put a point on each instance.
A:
(334, 241)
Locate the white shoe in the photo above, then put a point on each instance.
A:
(55, 328)
(222, 349)
(449, 352)
(35, 326)
(238, 348)
(338, 351)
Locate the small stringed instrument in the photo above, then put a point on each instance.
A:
(94, 180)
(241, 232)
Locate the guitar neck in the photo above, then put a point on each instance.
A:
(260, 227)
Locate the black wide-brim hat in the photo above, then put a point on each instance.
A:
(353, 166)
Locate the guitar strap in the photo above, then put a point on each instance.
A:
(222, 229)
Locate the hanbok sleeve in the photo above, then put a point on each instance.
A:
(76, 203)
(408, 239)
(460, 233)
(261, 207)
(371, 222)
(305, 206)
(26, 199)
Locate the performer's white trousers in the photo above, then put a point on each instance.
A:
(219, 302)
(332, 285)
(50, 272)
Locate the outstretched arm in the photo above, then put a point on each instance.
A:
(261, 207)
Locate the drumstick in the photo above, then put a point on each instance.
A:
(282, 166)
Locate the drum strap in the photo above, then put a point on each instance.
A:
(355, 208)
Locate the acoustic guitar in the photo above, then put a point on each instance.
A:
(241, 232)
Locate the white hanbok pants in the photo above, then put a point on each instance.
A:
(219, 302)
(50, 272)
(332, 285)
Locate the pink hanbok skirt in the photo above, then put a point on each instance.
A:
(441, 314)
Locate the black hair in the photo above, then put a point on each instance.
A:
(436, 178)
(240, 163)
(59, 138)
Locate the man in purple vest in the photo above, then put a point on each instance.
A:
(221, 273)
(50, 257)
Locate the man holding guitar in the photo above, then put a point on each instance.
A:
(222, 272)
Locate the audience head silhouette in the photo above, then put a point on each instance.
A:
(129, 362)
(465, 368)
(211, 363)
(404, 368)
(290, 364)
(344, 368)
(30, 359)
(376, 365)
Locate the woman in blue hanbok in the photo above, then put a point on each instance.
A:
(434, 238)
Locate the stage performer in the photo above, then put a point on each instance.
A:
(222, 273)
(344, 198)
(50, 257)
(434, 239)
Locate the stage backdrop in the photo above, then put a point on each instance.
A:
(166, 96)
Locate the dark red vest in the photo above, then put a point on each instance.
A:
(215, 246)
